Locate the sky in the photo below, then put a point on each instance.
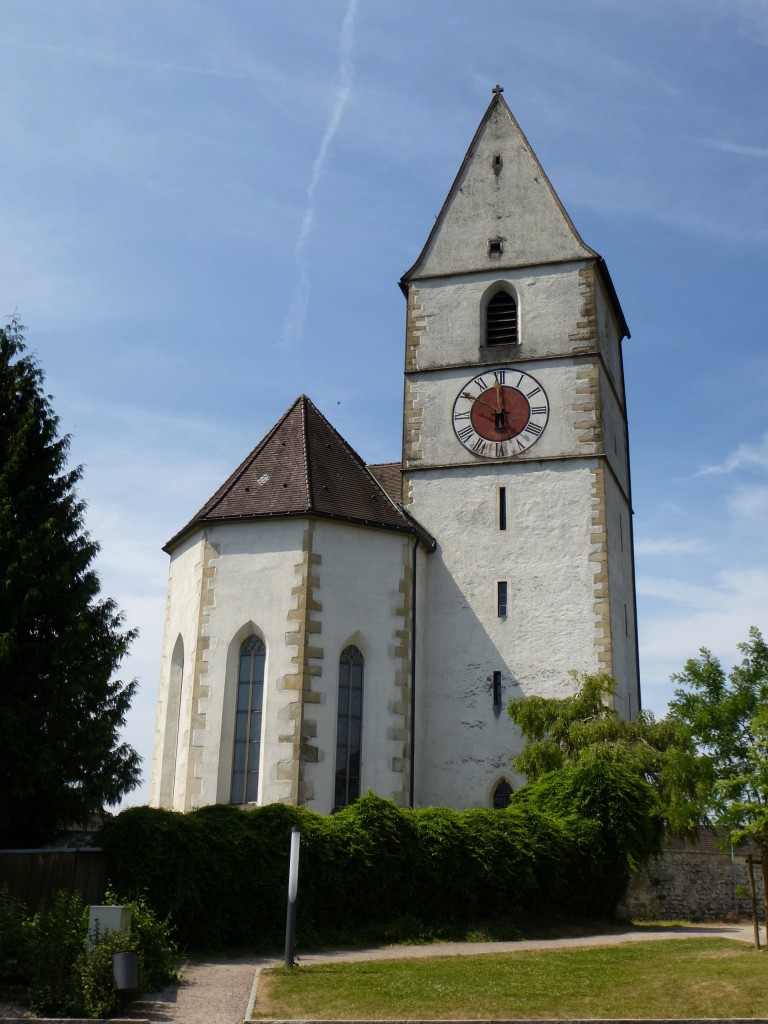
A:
(207, 207)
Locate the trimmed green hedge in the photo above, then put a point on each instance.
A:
(563, 848)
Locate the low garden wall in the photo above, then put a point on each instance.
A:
(696, 881)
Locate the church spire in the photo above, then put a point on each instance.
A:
(501, 211)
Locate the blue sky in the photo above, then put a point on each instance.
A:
(207, 207)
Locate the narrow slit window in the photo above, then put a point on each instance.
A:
(497, 689)
(501, 598)
(501, 320)
(502, 508)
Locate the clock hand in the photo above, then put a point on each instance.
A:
(476, 398)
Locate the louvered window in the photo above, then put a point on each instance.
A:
(501, 320)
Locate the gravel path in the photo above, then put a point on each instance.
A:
(218, 990)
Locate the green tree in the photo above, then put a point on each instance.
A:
(586, 729)
(728, 719)
(60, 643)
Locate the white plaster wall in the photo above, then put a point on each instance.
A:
(621, 579)
(614, 432)
(255, 571)
(434, 394)
(608, 336)
(360, 574)
(550, 629)
(181, 616)
(549, 306)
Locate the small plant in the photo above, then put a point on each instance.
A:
(153, 937)
(57, 938)
(95, 974)
(14, 939)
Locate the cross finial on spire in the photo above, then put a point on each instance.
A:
(497, 89)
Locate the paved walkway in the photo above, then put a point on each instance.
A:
(222, 991)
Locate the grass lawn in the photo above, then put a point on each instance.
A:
(677, 978)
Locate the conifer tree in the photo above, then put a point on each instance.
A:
(60, 642)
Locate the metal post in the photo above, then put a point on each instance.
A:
(293, 885)
(750, 864)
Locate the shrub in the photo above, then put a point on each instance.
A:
(153, 938)
(564, 848)
(57, 938)
(95, 974)
(14, 939)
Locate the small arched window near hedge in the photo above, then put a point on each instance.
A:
(250, 700)
(501, 795)
(501, 320)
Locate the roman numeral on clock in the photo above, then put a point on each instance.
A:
(465, 433)
(500, 375)
(461, 415)
(479, 446)
(538, 410)
(530, 394)
(533, 428)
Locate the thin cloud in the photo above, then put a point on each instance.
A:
(669, 546)
(723, 146)
(294, 321)
(109, 59)
(746, 456)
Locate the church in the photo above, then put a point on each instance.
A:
(334, 627)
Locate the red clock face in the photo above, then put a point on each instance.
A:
(500, 413)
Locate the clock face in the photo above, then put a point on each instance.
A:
(499, 413)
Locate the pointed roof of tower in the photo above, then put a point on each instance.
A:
(302, 467)
(500, 194)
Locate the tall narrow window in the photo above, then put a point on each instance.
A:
(501, 795)
(501, 598)
(250, 699)
(497, 689)
(349, 727)
(501, 320)
(502, 508)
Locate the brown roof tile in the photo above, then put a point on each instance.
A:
(303, 467)
(390, 476)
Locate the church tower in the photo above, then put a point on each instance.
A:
(515, 459)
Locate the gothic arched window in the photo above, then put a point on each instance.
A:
(349, 727)
(501, 795)
(501, 320)
(250, 698)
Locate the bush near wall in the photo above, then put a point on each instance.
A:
(563, 848)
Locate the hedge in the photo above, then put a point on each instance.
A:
(563, 848)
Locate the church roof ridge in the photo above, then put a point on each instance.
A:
(302, 466)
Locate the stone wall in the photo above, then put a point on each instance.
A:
(695, 881)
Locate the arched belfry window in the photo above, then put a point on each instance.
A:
(349, 727)
(250, 700)
(501, 795)
(501, 320)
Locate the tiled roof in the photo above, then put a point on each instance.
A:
(390, 476)
(303, 467)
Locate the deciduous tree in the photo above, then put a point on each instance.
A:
(585, 729)
(728, 719)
